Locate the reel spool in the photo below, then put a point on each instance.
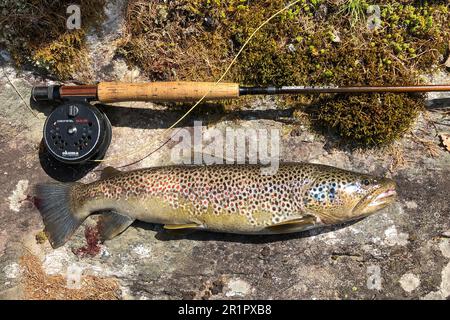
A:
(76, 132)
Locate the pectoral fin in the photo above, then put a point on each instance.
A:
(293, 225)
(112, 224)
(182, 226)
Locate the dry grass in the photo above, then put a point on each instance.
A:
(398, 157)
(429, 146)
(37, 285)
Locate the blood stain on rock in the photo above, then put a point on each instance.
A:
(92, 247)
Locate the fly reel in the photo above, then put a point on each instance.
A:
(76, 132)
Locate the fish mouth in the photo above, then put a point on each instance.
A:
(381, 197)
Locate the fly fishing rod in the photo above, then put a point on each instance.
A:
(75, 131)
(192, 91)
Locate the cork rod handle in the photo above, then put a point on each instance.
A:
(165, 91)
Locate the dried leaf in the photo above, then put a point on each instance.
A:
(445, 138)
(447, 63)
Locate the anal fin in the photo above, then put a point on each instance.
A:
(112, 224)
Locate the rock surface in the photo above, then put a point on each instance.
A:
(402, 252)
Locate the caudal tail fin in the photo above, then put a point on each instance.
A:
(60, 217)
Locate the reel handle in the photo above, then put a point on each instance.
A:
(176, 91)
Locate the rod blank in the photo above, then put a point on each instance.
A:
(353, 89)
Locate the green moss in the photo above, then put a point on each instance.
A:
(305, 46)
(40, 237)
(35, 33)
(367, 120)
(64, 56)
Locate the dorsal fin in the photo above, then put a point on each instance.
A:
(109, 172)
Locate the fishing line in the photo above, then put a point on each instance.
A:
(203, 97)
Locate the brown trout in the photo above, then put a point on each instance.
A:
(222, 198)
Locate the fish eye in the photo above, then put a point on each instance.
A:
(366, 182)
